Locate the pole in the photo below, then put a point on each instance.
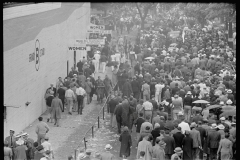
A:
(98, 122)
(75, 154)
(103, 112)
(92, 132)
(85, 143)
(230, 35)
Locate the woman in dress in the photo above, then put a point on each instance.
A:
(126, 143)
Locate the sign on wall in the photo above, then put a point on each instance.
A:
(90, 41)
(35, 56)
(96, 27)
(76, 48)
(100, 31)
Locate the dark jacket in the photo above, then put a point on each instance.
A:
(126, 143)
(203, 134)
(187, 146)
(112, 105)
(118, 113)
(139, 122)
(61, 93)
(170, 144)
(213, 138)
(188, 101)
(178, 137)
(155, 133)
(197, 118)
(135, 86)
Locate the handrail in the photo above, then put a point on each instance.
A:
(92, 126)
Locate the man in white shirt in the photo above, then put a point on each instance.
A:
(158, 91)
(47, 146)
(70, 96)
(97, 58)
(80, 98)
(118, 58)
(148, 108)
(184, 126)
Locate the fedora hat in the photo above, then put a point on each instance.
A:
(178, 150)
(220, 126)
(108, 146)
(229, 101)
(39, 148)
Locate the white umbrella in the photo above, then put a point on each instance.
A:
(150, 58)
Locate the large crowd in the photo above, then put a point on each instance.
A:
(178, 93)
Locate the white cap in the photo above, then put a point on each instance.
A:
(222, 118)
(221, 103)
(108, 146)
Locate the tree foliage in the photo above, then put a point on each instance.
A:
(143, 9)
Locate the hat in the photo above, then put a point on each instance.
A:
(25, 134)
(20, 142)
(39, 148)
(51, 92)
(189, 93)
(221, 103)
(222, 118)
(214, 126)
(125, 128)
(180, 113)
(88, 151)
(229, 101)
(46, 137)
(187, 132)
(75, 75)
(193, 124)
(220, 126)
(162, 143)
(140, 75)
(178, 150)
(156, 125)
(108, 146)
(12, 130)
(18, 135)
(177, 77)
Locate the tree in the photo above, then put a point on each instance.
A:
(102, 6)
(143, 9)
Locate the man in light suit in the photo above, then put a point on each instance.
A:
(11, 140)
(195, 135)
(146, 91)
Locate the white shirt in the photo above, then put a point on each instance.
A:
(184, 126)
(69, 93)
(159, 87)
(80, 91)
(47, 146)
(113, 57)
(117, 57)
(97, 56)
(147, 105)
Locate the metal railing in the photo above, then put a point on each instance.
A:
(92, 127)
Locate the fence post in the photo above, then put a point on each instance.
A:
(92, 132)
(98, 122)
(75, 154)
(85, 143)
(103, 112)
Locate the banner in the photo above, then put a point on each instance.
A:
(96, 27)
(100, 31)
(90, 41)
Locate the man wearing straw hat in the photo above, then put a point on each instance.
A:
(107, 155)
(178, 152)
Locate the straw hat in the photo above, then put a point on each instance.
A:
(221, 103)
(156, 125)
(189, 93)
(178, 150)
(220, 126)
(229, 101)
(20, 142)
(108, 146)
(214, 126)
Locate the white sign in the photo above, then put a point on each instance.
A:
(96, 27)
(90, 41)
(100, 31)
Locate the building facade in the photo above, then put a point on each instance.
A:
(36, 41)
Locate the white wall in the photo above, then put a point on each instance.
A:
(23, 83)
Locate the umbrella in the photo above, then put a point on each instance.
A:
(214, 106)
(150, 58)
(228, 108)
(228, 113)
(200, 101)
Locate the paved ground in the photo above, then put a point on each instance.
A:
(66, 138)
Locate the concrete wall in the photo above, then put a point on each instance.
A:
(56, 31)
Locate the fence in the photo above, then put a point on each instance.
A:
(92, 127)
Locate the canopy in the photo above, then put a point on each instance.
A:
(228, 108)
(228, 113)
(201, 101)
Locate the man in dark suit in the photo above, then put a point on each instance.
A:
(203, 136)
(135, 88)
(61, 94)
(170, 145)
(87, 71)
(162, 113)
(178, 137)
(197, 118)
(213, 140)
(112, 105)
(138, 122)
(195, 135)
(80, 66)
(118, 113)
